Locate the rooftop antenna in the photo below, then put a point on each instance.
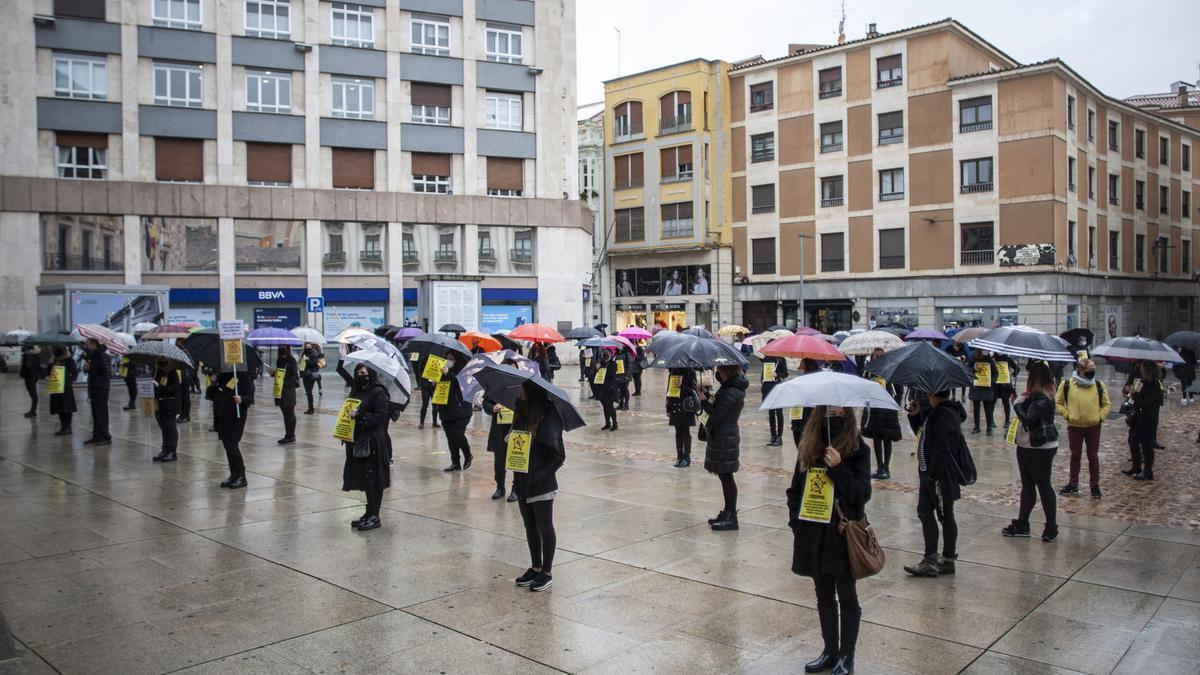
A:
(618, 50)
(842, 25)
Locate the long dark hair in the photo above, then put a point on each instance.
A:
(1040, 379)
(813, 442)
(532, 409)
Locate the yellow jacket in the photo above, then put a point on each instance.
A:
(1082, 406)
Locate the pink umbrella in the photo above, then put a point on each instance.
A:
(625, 341)
(813, 332)
(635, 333)
(105, 336)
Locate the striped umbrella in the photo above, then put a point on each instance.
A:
(105, 336)
(170, 331)
(1137, 349)
(1025, 343)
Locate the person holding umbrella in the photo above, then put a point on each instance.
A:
(724, 439)
(166, 398)
(624, 364)
(639, 364)
(31, 372)
(682, 405)
(456, 414)
(286, 400)
(232, 397)
(807, 367)
(537, 487)
(939, 440)
(313, 360)
(606, 388)
(63, 404)
(99, 369)
(368, 461)
(882, 427)
(776, 368)
(983, 392)
(1146, 393)
(1037, 443)
(833, 447)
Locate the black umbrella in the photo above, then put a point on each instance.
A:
(699, 332)
(452, 328)
(922, 366)
(204, 346)
(386, 331)
(53, 339)
(698, 353)
(507, 342)
(1072, 336)
(582, 333)
(659, 342)
(432, 343)
(1183, 339)
(1024, 342)
(502, 383)
(894, 330)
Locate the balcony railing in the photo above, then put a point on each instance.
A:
(677, 123)
(977, 126)
(833, 201)
(893, 138)
(891, 196)
(894, 82)
(487, 254)
(411, 258)
(371, 256)
(833, 265)
(627, 184)
(1115, 201)
(521, 256)
(891, 262)
(977, 187)
(77, 263)
(763, 208)
(682, 175)
(762, 156)
(1114, 262)
(762, 107)
(334, 258)
(832, 147)
(830, 93)
(977, 257)
(445, 256)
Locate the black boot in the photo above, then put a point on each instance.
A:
(823, 662)
(719, 518)
(928, 567)
(687, 459)
(499, 493)
(730, 522)
(844, 665)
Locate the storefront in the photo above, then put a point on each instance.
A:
(831, 316)
(506, 308)
(671, 297)
(271, 307)
(986, 312)
(364, 308)
(669, 316)
(625, 316)
(195, 305)
(901, 312)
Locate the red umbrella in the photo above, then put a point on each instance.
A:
(803, 347)
(473, 339)
(535, 332)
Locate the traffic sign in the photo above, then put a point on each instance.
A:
(316, 304)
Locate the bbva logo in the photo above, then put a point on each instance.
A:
(270, 295)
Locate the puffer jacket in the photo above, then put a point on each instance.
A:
(1082, 405)
(724, 439)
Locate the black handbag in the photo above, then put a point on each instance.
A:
(1041, 435)
(702, 434)
(361, 448)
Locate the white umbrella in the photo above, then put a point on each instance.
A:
(392, 373)
(143, 327)
(344, 336)
(865, 344)
(372, 342)
(831, 389)
(309, 335)
(1025, 343)
(129, 340)
(16, 337)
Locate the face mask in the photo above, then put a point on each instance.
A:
(362, 381)
(835, 427)
(1091, 374)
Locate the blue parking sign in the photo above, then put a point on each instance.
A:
(316, 304)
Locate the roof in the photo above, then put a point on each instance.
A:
(1001, 71)
(1167, 101)
(700, 59)
(588, 111)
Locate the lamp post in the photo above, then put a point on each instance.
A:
(803, 317)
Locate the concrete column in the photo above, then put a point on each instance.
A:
(395, 271)
(470, 248)
(313, 261)
(19, 276)
(19, 130)
(312, 97)
(927, 315)
(130, 143)
(133, 250)
(470, 100)
(394, 180)
(224, 83)
(226, 265)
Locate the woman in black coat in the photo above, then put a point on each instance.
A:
(938, 424)
(606, 388)
(313, 359)
(639, 364)
(456, 414)
(1005, 384)
(167, 392)
(724, 440)
(679, 415)
(1143, 432)
(287, 399)
(538, 486)
(1035, 453)
(624, 373)
(232, 397)
(63, 404)
(984, 368)
(497, 443)
(831, 443)
(31, 372)
(774, 416)
(883, 428)
(372, 472)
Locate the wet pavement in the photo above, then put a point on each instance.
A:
(110, 563)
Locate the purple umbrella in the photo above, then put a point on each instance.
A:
(407, 333)
(926, 334)
(273, 337)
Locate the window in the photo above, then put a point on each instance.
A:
(831, 136)
(430, 35)
(831, 191)
(269, 18)
(1139, 195)
(1114, 250)
(628, 171)
(1139, 143)
(82, 9)
(1164, 150)
(1186, 209)
(1091, 247)
(179, 160)
(503, 44)
(1164, 254)
(762, 147)
(1072, 258)
(503, 111)
(486, 252)
(269, 164)
(1164, 199)
(762, 198)
(505, 176)
(891, 185)
(1139, 253)
(447, 252)
(1072, 166)
(976, 175)
(408, 247)
(1070, 112)
(676, 220)
(353, 169)
(269, 245)
(833, 254)
(268, 91)
(1185, 257)
(1091, 182)
(177, 14)
(85, 248)
(675, 112)
(1114, 135)
(675, 163)
(891, 249)
(352, 25)
(1187, 157)
(353, 98)
(762, 253)
(1114, 189)
(889, 72)
(629, 225)
(430, 104)
(78, 76)
(975, 114)
(81, 155)
(372, 250)
(831, 82)
(106, 252)
(627, 120)
(178, 85)
(891, 127)
(977, 244)
(762, 96)
(1091, 125)
(522, 252)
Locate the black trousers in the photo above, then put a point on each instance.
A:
(582, 371)
(456, 438)
(623, 394)
(637, 384)
(32, 390)
(775, 418)
(425, 396)
(883, 453)
(289, 421)
(64, 420)
(931, 503)
(308, 389)
(608, 402)
(185, 401)
(1004, 402)
(231, 440)
(1141, 453)
(539, 533)
(499, 457)
(1035, 467)
(170, 431)
(797, 431)
(729, 491)
(834, 593)
(683, 441)
(100, 414)
(131, 389)
(989, 409)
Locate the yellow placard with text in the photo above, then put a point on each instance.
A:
(343, 428)
(1011, 437)
(600, 375)
(56, 383)
(817, 504)
(231, 385)
(674, 383)
(1003, 375)
(620, 366)
(518, 451)
(441, 393)
(277, 390)
(123, 369)
(983, 374)
(1082, 355)
(232, 353)
(148, 406)
(879, 381)
(795, 413)
(505, 416)
(768, 372)
(433, 368)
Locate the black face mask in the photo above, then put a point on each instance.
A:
(361, 381)
(835, 427)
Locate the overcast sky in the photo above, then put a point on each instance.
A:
(1124, 47)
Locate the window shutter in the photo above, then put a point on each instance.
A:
(70, 139)
(666, 161)
(83, 9)
(178, 159)
(666, 106)
(891, 243)
(621, 169)
(429, 164)
(685, 154)
(889, 62)
(269, 162)
(891, 120)
(504, 173)
(431, 94)
(831, 75)
(637, 169)
(635, 117)
(353, 168)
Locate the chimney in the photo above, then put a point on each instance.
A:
(841, 38)
(1182, 93)
(871, 32)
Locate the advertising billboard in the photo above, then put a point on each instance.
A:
(494, 318)
(340, 317)
(665, 281)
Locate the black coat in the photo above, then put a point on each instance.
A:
(167, 391)
(312, 371)
(942, 437)
(724, 439)
(456, 408)
(984, 394)
(882, 424)
(99, 370)
(228, 417)
(676, 415)
(546, 454)
(31, 367)
(639, 362)
(1146, 406)
(818, 548)
(64, 403)
(609, 387)
(496, 431)
(370, 425)
(291, 381)
(1034, 411)
(781, 373)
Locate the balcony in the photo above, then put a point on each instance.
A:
(521, 256)
(676, 124)
(892, 138)
(445, 257)
(891, 262)
(762, 107)
(1114, 147)
(832, 147)
(370, 256)
(411, 257)
(977, 126)
(977, 257)
(76, 263)
(833, 265)
(334, 258)
(977, 187)
(487, 255)
(893, 82)
(830, 93)
(1115, 201)
(1114, 262)
(762, 156)
(627, 184)
(891, 196)
(628, 136)
(763, 208)
(833, 201)
(679, 177)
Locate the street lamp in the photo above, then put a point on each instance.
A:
(803, 316)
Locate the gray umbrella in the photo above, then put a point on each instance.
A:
(153, 350)
(1025, 343)
(1184, 339)
(391, 372)
(582, 333)
(699, 332)
(1137, 349)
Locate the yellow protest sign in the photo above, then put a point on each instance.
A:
(1011, 437)
(433, 368)
(231, 385)
(343, 428)
(518, 451)
(232, 354)
(768, 372)
(600, 375)
(56, 383)
(796, 413)
(983, 374)
(817, 504)
(123, 369)
(674, 383)
(1003, 375)
(620, 366)
(277, 392)
(441, 393)
(303, 363)
(505, 416)
(702, 417)
(879, 381)
(148, 406)
(1082, 354)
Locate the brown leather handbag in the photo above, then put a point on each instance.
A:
(866, 555)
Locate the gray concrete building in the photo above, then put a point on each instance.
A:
(408, 160)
